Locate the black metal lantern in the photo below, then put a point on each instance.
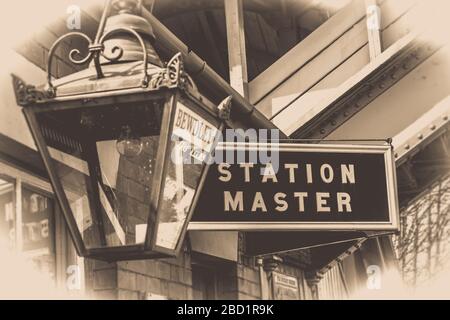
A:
(124, 141)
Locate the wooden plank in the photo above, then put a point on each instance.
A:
(328, 84)
(219, 18)
(269, 35)
(293, 118)
(234, 15)
(213, 46)
(422, 129)
(253, 32)
(176, 27)
(305, 104)
(311, 48)
(305, 50)
(333, 56)
(313, 72)
(408, 100)
(373, 13)
(311, 19)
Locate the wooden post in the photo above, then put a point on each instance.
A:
(263, 280)
(375, 48)
(234, 14)
(237, 59)
(374, 28)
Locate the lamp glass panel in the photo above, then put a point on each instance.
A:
(191, 142)
(105, 158)
(65, 145)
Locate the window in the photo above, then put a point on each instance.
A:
(7, 216)
(38, 237)
(30, 222)
(28, 226)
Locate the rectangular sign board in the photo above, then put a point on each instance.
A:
(285, 287)
(287, 186)
(196, 133)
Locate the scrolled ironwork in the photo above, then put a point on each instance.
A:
(76, 52)
(224, 108)
(117, 53)
(172, 75)
(175, 68)
(72, 53)
(26, 94)
(96, 49)
(107, 35)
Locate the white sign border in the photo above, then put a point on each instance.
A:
(391, 184)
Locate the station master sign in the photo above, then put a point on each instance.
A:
(288, 186)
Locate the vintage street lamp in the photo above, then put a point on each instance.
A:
(124, 141)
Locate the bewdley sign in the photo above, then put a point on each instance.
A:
(299, 187)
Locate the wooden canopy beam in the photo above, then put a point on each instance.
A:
(237, 56)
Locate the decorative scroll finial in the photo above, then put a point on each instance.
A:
(175, 68)
(225, 108)
(26, 94)
(172, 76)
(271, 263)
(127, 6)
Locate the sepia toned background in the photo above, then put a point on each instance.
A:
(324, 69)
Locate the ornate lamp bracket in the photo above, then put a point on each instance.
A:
(96, 49)
(224, 109)
(27, 94)
(173, 75)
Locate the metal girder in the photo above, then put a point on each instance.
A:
(421, 132)
(259, 244)
(411, 181)
(334, 255)
(339, 108)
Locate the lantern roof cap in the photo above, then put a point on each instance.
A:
(119, 76)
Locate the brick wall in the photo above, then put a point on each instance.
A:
(249, 286)
(135, 280)
(101, 279)
(171, 278)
